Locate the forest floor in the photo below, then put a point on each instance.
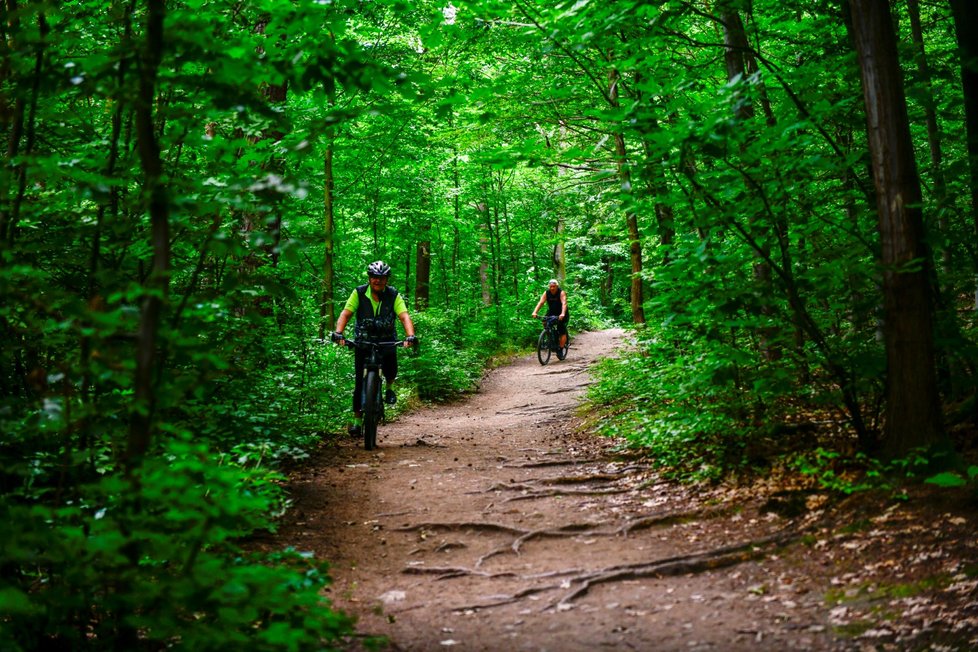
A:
(498, 523)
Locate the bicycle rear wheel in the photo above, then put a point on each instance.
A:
(371, 409)
(543, 348)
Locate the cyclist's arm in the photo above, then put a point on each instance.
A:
(343, 320)
(341, 323)
(543, 297)
(351, 307)
(563, 304)
(407, 324)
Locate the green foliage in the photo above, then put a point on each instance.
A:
(951, 479)
(848, 475)
(702, 409)
(447, 363)
(153, 555)
(835, 473)
(486, 137)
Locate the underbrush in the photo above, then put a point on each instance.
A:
(717, 416)
(148, 559)
(702, 415)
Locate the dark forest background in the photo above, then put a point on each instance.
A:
(778, 198)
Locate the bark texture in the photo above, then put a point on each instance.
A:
(912, 416)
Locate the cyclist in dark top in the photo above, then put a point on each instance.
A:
(556, 300)
(376, 305)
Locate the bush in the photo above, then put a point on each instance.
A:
(150, 560)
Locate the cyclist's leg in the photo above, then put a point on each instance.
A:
(389, 367)
(359, 358)
(562, 330)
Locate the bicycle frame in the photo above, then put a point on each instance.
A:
(548, 342)
(372, 403)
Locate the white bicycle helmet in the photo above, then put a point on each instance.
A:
(379, 268)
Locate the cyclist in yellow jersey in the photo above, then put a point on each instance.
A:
(377, 307)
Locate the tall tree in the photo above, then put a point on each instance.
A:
(739, 62)
(154, 191)
(422, 275)
(930, 119)
(913, 416)
(636, 294)
(327, 311)
(965, 14)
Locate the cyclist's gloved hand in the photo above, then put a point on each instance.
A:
(410, 340)
(336, 336)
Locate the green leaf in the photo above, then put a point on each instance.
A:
(947, 479)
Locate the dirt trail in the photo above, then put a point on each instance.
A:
(494, 524)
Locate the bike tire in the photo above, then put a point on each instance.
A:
(543, 348)
(371, 409)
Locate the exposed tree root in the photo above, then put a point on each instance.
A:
(678, 565)
(570, 369)
(450, 545)
(449, 572)
(572, 530)
(670, 518)
(567, 492)
(563, 390)
(535, 410)
(531, 490)
(565, 479)
(522, 535)
(465, 525)
(508, 599)
(545, 463)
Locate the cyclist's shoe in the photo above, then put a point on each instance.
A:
(390, 397)
(354, 430)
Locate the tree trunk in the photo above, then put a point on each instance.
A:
(930, 120)
(912, 416)
(966, 27)
(560, 254)
(514, 257)
(422, 275)
(735, 53)
(739, 61)
(327, 310)
(407, 272)
(158, 283)
(21, 127)
(631, 219)
(268, 218)
(484, 237)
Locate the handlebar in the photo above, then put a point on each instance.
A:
(363, 343)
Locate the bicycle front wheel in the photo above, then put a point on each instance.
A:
(543, 348)
(371, 409)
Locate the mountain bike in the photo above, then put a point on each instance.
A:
(549, 341)
(372, 401)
